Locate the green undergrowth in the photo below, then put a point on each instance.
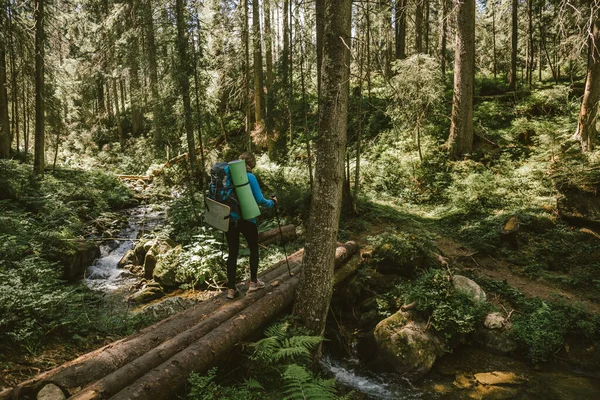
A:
(542, 326)
(40, 222)
(276, 368)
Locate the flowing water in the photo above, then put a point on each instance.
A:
(104, 275)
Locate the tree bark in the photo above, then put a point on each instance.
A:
(460, 140)
(586, 126)
(444, 38)
(419, 26)
(118, 113)
(314, 293)
(183, 77)
(39, 150)
(246, 40)
(269, 65)
(152, 72)
(512, 78)
(4, 121)
(259, 113)
(137, 116)
(400, 28)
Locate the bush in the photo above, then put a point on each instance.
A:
(400, 251)
(449, 312)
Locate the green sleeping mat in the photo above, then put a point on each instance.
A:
(250, 210)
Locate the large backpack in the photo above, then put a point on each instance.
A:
(221, 188)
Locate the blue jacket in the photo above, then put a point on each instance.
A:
(258, 196)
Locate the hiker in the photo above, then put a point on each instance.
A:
(249, 229)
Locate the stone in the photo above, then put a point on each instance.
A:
(140, 251)
(128, 258)
(499, 378)
(149, 264)
(146, 295)
(493, 392)
(78, 258)
(51, 392)
(469, 287)
(165, 272)
(494, 320)
(462, 381)
(406, 345)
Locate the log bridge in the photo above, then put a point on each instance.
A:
(156, 362)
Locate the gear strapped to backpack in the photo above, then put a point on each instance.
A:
(221, 187)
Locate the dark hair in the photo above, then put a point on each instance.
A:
(249, 158)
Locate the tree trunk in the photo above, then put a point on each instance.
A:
(427, 9)
(152, 72)
(444, 39)
(199, 55)
(512, 78)
(269, 65)
(493, 37)
(137, 116)
(419, 26)
(400, 28)
(286, 234)
(530, 42)
(118, 113)
(4, 121)
(314, 292)
(246, 40)
(460, 140)
(259, 113)
(586, 126)
(14, 89)
(183, 77)
(39, 151)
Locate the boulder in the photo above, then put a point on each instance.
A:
(580, 208)
(496, 334)
(469, 287)
(128, 258)
(149, 264)
(51, 392)
(78, 258)
(406, 345)
(165, 272)
(145, 295)
(400, 254)
(499, 378)
(140, 251)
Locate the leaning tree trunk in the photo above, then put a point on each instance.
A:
(39, 150)
(586, 126)
(512, 79)
(314, 293)
(148, 22)
(460, 140)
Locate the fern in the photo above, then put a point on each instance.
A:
(279, 346)
(300, 384)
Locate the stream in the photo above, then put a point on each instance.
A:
(104, 274)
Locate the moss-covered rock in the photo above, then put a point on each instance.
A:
(406, 344)
(400, 253)
(165, 272)
(128, 258)
(145, 295)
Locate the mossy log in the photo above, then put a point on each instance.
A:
(287, 234)
(189, 341)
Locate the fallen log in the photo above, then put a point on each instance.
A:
(135, 177)
(162, 381)
(93, 366)
(288, 233)
(168, 336)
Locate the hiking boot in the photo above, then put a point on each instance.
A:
(232, 293)
(256, 285)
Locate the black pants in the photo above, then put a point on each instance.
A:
(250, 232)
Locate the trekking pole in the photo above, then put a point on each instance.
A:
(281, 235)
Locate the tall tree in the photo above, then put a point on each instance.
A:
(147, 15)
(460, 140)
(512, 78)
(269, 64)
(586, 126)
(400, 28)
(444, 37)
(259, 94)
(137, 116)
(183, 78)
(5, 139)
(315, 289)
(39, 150)
(419, 26)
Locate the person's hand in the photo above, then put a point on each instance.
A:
(274, 199)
